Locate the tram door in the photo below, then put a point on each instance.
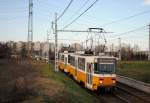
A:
(89, 73)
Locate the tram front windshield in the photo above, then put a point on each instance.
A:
(104, 68)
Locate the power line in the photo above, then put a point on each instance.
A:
(13, 10)
(66, 40)
(65, 10)
(13, 13)
(141, 36)
(83, 31)
(20, 17)
(79, 9)
(126, 18)
(80, 14)
(124, 33)
(134, 30)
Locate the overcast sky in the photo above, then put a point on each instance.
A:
(14, 19)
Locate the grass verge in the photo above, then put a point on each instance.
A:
(71, 93)
(139, 70)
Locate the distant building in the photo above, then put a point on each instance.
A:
(36, 49)
(45, 49)
(60, 46)
(52, 47)
(37, 46)
(19, 46)
(10, 44)
(76, 46)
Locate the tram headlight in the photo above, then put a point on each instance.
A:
(101, 82)
(114, 81)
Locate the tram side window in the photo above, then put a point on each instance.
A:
(81, 63)
(71, 60)
(62, 58)
(95, 68)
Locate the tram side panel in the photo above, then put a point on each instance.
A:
(71, 70)
(71, 63)
(81, 73)
(81, 76)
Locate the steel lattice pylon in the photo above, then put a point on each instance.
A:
(30, 25)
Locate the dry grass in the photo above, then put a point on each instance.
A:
(24, 81)
(15, 80)
(21, 80)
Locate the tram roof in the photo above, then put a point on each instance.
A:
(88, 55)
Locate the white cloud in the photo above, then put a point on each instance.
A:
(147, 2)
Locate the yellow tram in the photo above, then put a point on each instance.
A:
(94, 72)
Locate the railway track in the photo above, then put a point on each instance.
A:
(105, 97)
(122, 94)
(131, 94)
(111, 98)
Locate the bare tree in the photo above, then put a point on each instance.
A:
(23, 51)
(136, 48)
(5, 51)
